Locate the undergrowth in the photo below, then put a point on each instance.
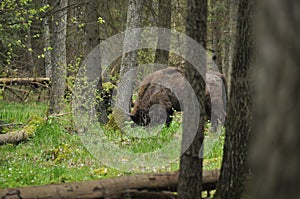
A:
(56, 154)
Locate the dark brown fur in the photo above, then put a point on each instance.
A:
(152, 92)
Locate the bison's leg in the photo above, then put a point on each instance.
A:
(170, 114)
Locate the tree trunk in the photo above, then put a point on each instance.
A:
(275, 159)
(235, 171)
(131, 40)
(217, 23)
(134, 15)
(226, 38)
(229, 39)
(47, 45)
(92, 35)
(91, 28)
(190, 176)
(58, 56)
(164, 21)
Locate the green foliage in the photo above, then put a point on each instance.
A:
(112, 126)
(1, 93)
(16, 18)
(32, 125)
(101, 20)
(146, 56)
(108, 86)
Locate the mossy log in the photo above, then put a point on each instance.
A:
(23, 134)
(136, 186)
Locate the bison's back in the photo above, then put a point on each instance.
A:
(164, 87)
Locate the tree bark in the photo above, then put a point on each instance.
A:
(58, 56)
(217, 24)
(275, 160)
(235, 170)
(164, 21)
(229, 39)
(92, 35)
(47, 45)
(129, 59)
(190, 177)
(91, 28)
(134, 15)
(136, 186)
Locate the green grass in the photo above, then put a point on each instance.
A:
(56, 155)
(140, 140)
(51, 156)
(12, 112)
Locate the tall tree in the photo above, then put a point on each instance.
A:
(134, 16)
(235, 170)
(164, 21)
(190, 175)
(230, 15)
(131, 40)
(47, 44)
(226, 39)
(275, 158)
(91, 28)
(217, 24)
(92, 35)
(58, 56)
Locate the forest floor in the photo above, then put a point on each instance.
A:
(56, 154)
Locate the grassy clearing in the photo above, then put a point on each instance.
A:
(52, 156)
(56, 155)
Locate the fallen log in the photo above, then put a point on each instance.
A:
(25, 81)
(136, 194)
(23, 134)
(141, 185)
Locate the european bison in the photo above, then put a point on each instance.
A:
(160, 94)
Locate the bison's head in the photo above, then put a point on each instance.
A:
(154, 115)
(140, 117)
